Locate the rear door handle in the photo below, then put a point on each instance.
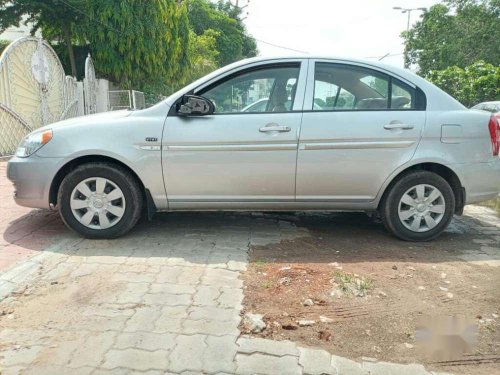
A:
(275, 128)
(392, 126)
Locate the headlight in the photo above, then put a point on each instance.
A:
(33, 142)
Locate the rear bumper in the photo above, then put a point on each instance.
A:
(480, 180)
(32, 178)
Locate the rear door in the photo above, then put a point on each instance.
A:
(359, 125)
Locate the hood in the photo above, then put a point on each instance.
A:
(88, 119)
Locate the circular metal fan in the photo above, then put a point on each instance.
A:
(32, 81)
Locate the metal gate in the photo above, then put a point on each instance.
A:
(126, 99)
(32, 90)
(90, 87)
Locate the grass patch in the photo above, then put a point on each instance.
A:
(356, 285)
(265, 285)
(259, 263)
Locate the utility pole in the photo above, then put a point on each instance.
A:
(240, 8)
(408, 12)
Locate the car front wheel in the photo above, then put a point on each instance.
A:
(418, 207)
(100, 200)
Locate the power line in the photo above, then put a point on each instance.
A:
(282, 47)
(90, 18)
(115, 30)
(258, 40)
(384, 56)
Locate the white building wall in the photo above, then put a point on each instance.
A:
(13, 33)
(81, 103)
(102, 95)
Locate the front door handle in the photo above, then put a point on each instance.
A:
(275, 128)
(398, 125)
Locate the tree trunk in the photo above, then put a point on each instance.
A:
(71, 52)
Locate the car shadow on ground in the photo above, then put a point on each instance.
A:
(196, 236)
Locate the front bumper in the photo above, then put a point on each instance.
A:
(32, 178)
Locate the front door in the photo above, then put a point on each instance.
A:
(359, 126)
(247, 150)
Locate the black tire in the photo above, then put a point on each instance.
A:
(390, 205)
(122, 178)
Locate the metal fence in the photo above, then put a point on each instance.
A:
(126, 99)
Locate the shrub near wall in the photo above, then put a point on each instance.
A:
(3, 45)
(476, 83)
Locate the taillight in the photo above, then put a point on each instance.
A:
(494, 127)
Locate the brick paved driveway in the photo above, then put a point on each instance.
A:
(165, 299)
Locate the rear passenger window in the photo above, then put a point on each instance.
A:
(402, 96)
(347, 87)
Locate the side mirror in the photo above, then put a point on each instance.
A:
(193, 105)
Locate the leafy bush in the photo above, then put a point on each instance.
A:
(3, 44)
(476, 83)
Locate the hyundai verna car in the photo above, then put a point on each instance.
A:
(355, 135)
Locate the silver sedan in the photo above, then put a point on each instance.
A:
(331, 134)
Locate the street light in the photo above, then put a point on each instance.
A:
(408, 10)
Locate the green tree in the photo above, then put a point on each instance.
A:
(476, 83)
(232, 42)
(56, 18)
(203, 54)
(3, 44)
(138, 43)
(455, 33)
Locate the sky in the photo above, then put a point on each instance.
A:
(344, 28)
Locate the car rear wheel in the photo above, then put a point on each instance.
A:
(418, 207)
(100, 200)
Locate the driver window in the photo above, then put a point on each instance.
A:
(257, 91)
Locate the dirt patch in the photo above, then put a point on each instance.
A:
(53, 304)
(353, 290)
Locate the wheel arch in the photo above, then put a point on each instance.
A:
(441, 170)
(72, 164)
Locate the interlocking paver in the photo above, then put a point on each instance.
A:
(54, 369)
(250, 345)
(206, 295)
(91, 350)
(134, 277)
(266, 364)
(145, 341)
(169, 274)
(133, 293)
(210, 327)
(188, 353)
(136, 359)
(171, 319)
(345, 366)
(214, 313)
(61, 354)
(219, 354)
(316, 362)
(97, 323)
(144, 319)
(167, 299)
(21, 356)
(172, 288)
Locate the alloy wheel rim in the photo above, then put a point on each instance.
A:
(421, 208)
(97, 203)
